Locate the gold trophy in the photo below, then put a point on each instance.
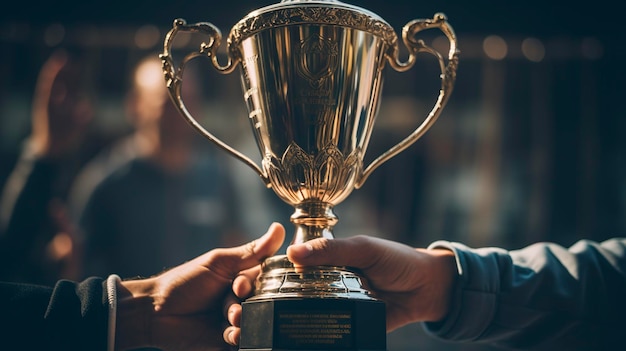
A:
(312, 74)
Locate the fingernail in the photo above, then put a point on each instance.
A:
(230, 337)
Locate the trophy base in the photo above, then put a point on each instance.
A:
(313, 324)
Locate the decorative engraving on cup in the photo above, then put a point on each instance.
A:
(317, 60)
(250, 60)
(308, 15)
(326, 177)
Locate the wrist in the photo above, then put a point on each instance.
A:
(135, 310)
(444, 274)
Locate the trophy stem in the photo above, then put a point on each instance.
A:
(313, 220)
(279, 277)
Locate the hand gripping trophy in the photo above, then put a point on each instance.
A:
(312, 77)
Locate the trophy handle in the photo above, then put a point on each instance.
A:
(448, 76)
(174, 78)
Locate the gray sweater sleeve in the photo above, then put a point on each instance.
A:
(544, 296)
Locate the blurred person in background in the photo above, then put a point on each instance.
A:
(159, 196)
(38, 243)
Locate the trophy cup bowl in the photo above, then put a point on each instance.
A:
(312, 74)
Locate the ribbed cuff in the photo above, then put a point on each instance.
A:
(112, 282)
(474, 299)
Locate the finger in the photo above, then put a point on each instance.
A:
(229, 301)
(234, 315)
(231, 335)
(233, 260)
(354, 252)
(243, 284)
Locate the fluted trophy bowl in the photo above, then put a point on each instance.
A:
(312, 75)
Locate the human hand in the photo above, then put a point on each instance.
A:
(182, 308)
(61, 112)
(415, 284)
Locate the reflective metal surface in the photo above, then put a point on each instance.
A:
(279, 279)
(311, 75)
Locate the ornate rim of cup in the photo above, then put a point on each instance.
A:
(328, 12)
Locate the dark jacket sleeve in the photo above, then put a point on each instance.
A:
(542, 297)
(71, 316)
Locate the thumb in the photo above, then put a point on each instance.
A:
(354, 252)
(231, 261)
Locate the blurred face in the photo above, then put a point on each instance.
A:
(68, 103)
(61, 108)
(150, 92)
(153, 104)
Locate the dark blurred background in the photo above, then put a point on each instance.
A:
(529, 148)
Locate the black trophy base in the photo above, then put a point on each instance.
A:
(313, 324)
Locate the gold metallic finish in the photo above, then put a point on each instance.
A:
(279, 279)
(311, 74)
(294, 12)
